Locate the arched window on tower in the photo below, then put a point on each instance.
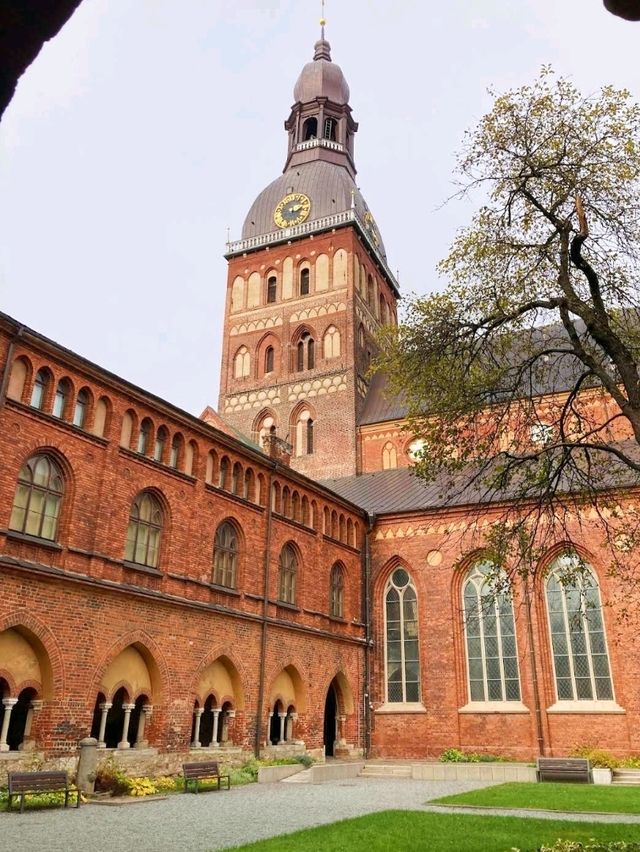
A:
(242, 363)
(304, 433)
(272, 289)
(402, 659)
(305, 353)
(330, 126)
(332, 342)
(305, 279)
(265, 427)
(310, 129)
(269, 359)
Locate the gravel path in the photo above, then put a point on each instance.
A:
(207, 821)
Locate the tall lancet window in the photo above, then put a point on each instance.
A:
(402, 656)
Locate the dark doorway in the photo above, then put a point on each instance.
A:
(274, 726)
(115, 719)
(18, 719)
(330, 721)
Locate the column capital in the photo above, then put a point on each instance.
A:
(106, 705)
(9, 702)
(37, 705)
(215, 711)
(147, 709)
(198, 711)
(231, 714)
(128, 707)
(282, 715)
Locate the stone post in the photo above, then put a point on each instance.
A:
(341, 721)
(124, 742)
(87, 763)
(196, 731)
(214, 737)
(9, 704)
(104, 709)
(283, 734)
(145, 714)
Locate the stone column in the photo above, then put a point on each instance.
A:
(104, 710)
(340, 734)
(86, 772)
(28, 743)
(145, 714)
(268, 738)
(214, 736)
(124, 742)
(283, 733)
(290, 720)
(9, 704)
(196, 731)
(231, 715)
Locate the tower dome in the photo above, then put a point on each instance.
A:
(321, 78)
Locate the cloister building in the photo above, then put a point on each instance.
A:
(271, 577)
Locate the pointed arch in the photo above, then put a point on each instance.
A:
(19, 378)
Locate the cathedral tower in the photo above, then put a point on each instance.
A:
(308, 287)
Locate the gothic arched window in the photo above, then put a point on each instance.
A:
(225, 555)
(288, 569)
(332, 342)
(269, 359)
(305, 281)
(60, 399)
(337, 591)
(389, 456)
(242, 363)
(492, 658)
(304, 433)
(81, 408)
(39, 391)
(580, 657)
(144, 531)
(402, 658)
(36, 504)
(272, 289)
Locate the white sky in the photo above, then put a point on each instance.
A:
(147, 127)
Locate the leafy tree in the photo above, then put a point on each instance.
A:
(522, 374)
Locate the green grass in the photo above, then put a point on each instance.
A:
(431, 832)
(552, 797)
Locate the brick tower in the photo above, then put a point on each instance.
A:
(308, 287)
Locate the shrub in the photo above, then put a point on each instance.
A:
(305, 759)
(454, 755)
(596, 756)
(109, 779)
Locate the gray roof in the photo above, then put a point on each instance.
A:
(399, 490)
(329, 186)
(321, 78)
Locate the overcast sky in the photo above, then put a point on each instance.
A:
(146, 128)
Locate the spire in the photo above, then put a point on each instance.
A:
(322, 47)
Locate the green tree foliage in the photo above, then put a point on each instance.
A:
(522, 373)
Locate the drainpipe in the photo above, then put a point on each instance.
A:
(7, 367)
(366, 583)
(534, 672)
(265, 612)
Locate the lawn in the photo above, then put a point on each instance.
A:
(431, 832)
(552, 797)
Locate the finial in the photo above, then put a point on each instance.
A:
(322, 47)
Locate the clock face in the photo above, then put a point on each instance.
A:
(292, 210)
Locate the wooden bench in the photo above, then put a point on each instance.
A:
(31, 783)
(576, 769)
(206, 770)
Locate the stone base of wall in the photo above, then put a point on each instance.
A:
(473, 772)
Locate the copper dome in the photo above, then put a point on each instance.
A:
(321, 78)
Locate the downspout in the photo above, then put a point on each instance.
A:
(265, 612)
(366, 582)
(534, 672)
(7, 367)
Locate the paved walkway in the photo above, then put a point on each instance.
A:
(208, 821)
